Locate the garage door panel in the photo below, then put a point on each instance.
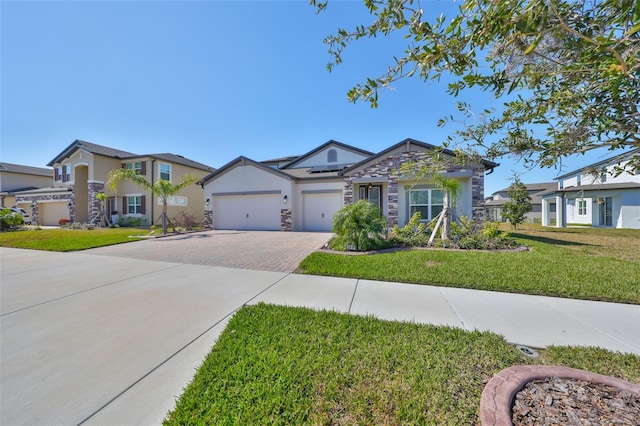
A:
(318, 210)
(247, 212)
(49, 214)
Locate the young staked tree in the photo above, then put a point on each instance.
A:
(163, 189)
(568, 70)
(516, 209)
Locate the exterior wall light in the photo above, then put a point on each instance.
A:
(206, 204)
(285, 199)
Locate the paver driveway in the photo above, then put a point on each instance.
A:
(258, 250)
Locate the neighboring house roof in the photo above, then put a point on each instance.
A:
(588, 188)
(27, 170)
(608, 161)
(123, 155)
(323, 146)
(535, 197)
(92, 148)
(45, 191)
(179, 159)
(409, 141)
(243, 161)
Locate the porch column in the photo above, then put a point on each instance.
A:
(545, 212)
(559, 211)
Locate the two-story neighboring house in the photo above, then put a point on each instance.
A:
(595, 196)
(495, 203)
(81, 172)
(16, 177)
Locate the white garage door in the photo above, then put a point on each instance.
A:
(318, 210)
(256, 212)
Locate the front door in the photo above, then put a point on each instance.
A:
(606, 211)
(372, 193)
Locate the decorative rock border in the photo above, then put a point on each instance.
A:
(498, 394)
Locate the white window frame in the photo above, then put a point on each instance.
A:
(137, 207)
(175, 200)
(582, 207)
(59, 174)
(132, 166)
(160, 172)
(68, 177)
(429, 205)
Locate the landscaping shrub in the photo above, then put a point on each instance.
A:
(64, 222)
(413, 234)
(10, 219)
(128, 221)
(185, 220)
(360, 227)
(489, 238)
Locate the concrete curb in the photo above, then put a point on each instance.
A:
(499, 393)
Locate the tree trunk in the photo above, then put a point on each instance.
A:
(446, 220)
(164, 216)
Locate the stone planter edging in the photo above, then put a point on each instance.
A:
(500, 391)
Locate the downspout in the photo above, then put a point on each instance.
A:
(153, 170)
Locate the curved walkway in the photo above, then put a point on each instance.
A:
(98, 339)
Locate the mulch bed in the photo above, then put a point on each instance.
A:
(563, 401)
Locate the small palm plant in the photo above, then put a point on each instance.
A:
(163, 189)
(360, 225)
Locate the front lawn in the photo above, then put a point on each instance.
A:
(69, 239)
(592, 264)
(278, 365)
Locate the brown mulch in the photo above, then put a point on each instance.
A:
(563, 401)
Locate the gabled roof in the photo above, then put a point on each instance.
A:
(606, 162)
(408, 142)
(323, 146)
(243, 161)
(179, 159)
(92, 148)
(27, 170)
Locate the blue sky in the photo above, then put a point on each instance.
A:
(209, 80)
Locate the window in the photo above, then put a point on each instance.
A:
(429, 202)
(332, 156)
(135, 204)
(603, 178)
(165, 172)
(66, 173)
(174, 201)
(579, 179)
(582, 207)
(138, 166)
(58, 174)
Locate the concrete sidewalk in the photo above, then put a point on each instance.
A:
(110, 340)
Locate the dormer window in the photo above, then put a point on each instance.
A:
(332, 156)
(579, 178)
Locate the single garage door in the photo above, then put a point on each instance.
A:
(256, 212)
(319, 208)
(49, 214)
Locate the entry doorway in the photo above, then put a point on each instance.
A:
(606, 211)
(372, 193)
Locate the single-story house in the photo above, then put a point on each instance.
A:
(596, 195)
(81, 171)
(302, 193)
(495, 203)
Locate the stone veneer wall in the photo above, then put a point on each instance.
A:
(208, 219)
(388, 168)
(286, 220)
(35, 199)
(95, 205)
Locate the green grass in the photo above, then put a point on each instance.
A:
(68, 239)
(279, 365)
(592, 264)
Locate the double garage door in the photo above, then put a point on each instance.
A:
(261, 212)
